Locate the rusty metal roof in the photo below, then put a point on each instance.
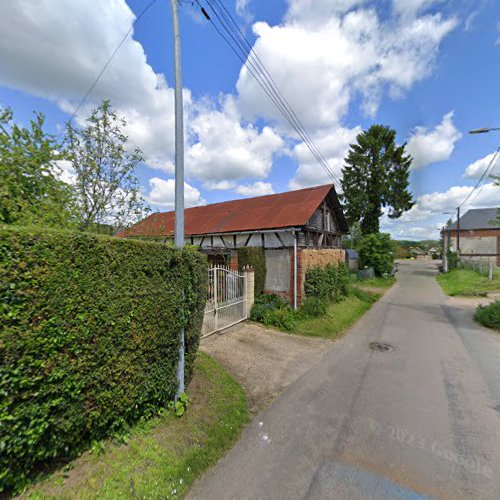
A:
(275, 211)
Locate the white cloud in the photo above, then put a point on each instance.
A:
(410, 8)
(219, 186)
(224, 149)
(162, 193)
(64, 170)
(476, 169)
(258, 188)
(436, 145)
(320, 70)
(242, 9)
(334, 145)
(432, 210)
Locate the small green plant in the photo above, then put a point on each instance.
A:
(284, 319)
(312, 307)
(489, 315)
(330, 282)
(179, 407)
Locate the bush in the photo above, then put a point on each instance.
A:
(328, 282)
(376, 250)
(452, 259)
(264, 303)
(284, 319)
(489, 315)
(90, 339)
(256, 259)
(312, 307)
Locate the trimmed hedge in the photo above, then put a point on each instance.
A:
(90, 338)
(328, 282)
(256, 259)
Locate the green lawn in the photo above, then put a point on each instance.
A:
(467, 282)
(165, 455)
(339, 317)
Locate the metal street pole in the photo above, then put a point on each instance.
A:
(179, 166)
(458, 232)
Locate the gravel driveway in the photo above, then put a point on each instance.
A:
(263, 361)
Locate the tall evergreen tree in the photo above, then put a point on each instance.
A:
(375, 176)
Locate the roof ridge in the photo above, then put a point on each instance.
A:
(310, 188)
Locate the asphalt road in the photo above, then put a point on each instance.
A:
(419, 421)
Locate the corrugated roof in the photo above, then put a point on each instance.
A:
(275, 211)
(478, 218)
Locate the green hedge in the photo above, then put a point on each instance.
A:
(255, 258)
(328, 282)
(90, 338)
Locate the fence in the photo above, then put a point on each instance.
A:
(227, 300)
(482, 267)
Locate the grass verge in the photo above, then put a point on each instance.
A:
(467, 282)
(339, 316)
(382, 283)
(163, 456)
(489, 315)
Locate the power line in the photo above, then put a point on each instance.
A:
(251, 53)
(245, 53)
(108, 62)
(486, 170)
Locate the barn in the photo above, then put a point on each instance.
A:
(297, 230)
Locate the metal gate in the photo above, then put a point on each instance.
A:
(227, 300)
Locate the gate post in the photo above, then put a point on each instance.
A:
(249, 274)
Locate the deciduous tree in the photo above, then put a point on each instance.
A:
(30, 191)
(106, 183)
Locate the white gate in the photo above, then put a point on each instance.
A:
(227, 300)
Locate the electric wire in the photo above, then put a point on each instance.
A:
(256, 68)
(272, 84)
(108, 62)
(485, 172)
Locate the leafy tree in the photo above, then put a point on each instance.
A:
(106, 184)
(30, 191)
(375, 175)
(377, 251)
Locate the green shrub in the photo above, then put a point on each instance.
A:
(264, 303)
(452, 260)
(256, 259)
(369, 298)
(312, 307)
(284, 319)
(377, 251)
(489, 315)
(90, 339)
(328, 282)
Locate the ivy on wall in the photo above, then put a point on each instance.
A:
(256, 259)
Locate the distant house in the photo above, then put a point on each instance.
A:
(479, 235)
(297, 230)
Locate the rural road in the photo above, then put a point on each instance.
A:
(419, 421)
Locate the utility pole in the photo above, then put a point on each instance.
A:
(458, 232)
(179, 167)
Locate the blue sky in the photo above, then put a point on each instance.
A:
(429, 69)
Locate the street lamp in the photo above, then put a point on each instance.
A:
(484, 130)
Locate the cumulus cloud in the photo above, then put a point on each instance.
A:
(433, 146)
(321, 70)
(224, 149)
(476, 169)
(243, 10)
(428, 213)
(162, 193)
(258, 188)
(334, 145)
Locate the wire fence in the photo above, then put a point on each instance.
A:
(483, 267)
